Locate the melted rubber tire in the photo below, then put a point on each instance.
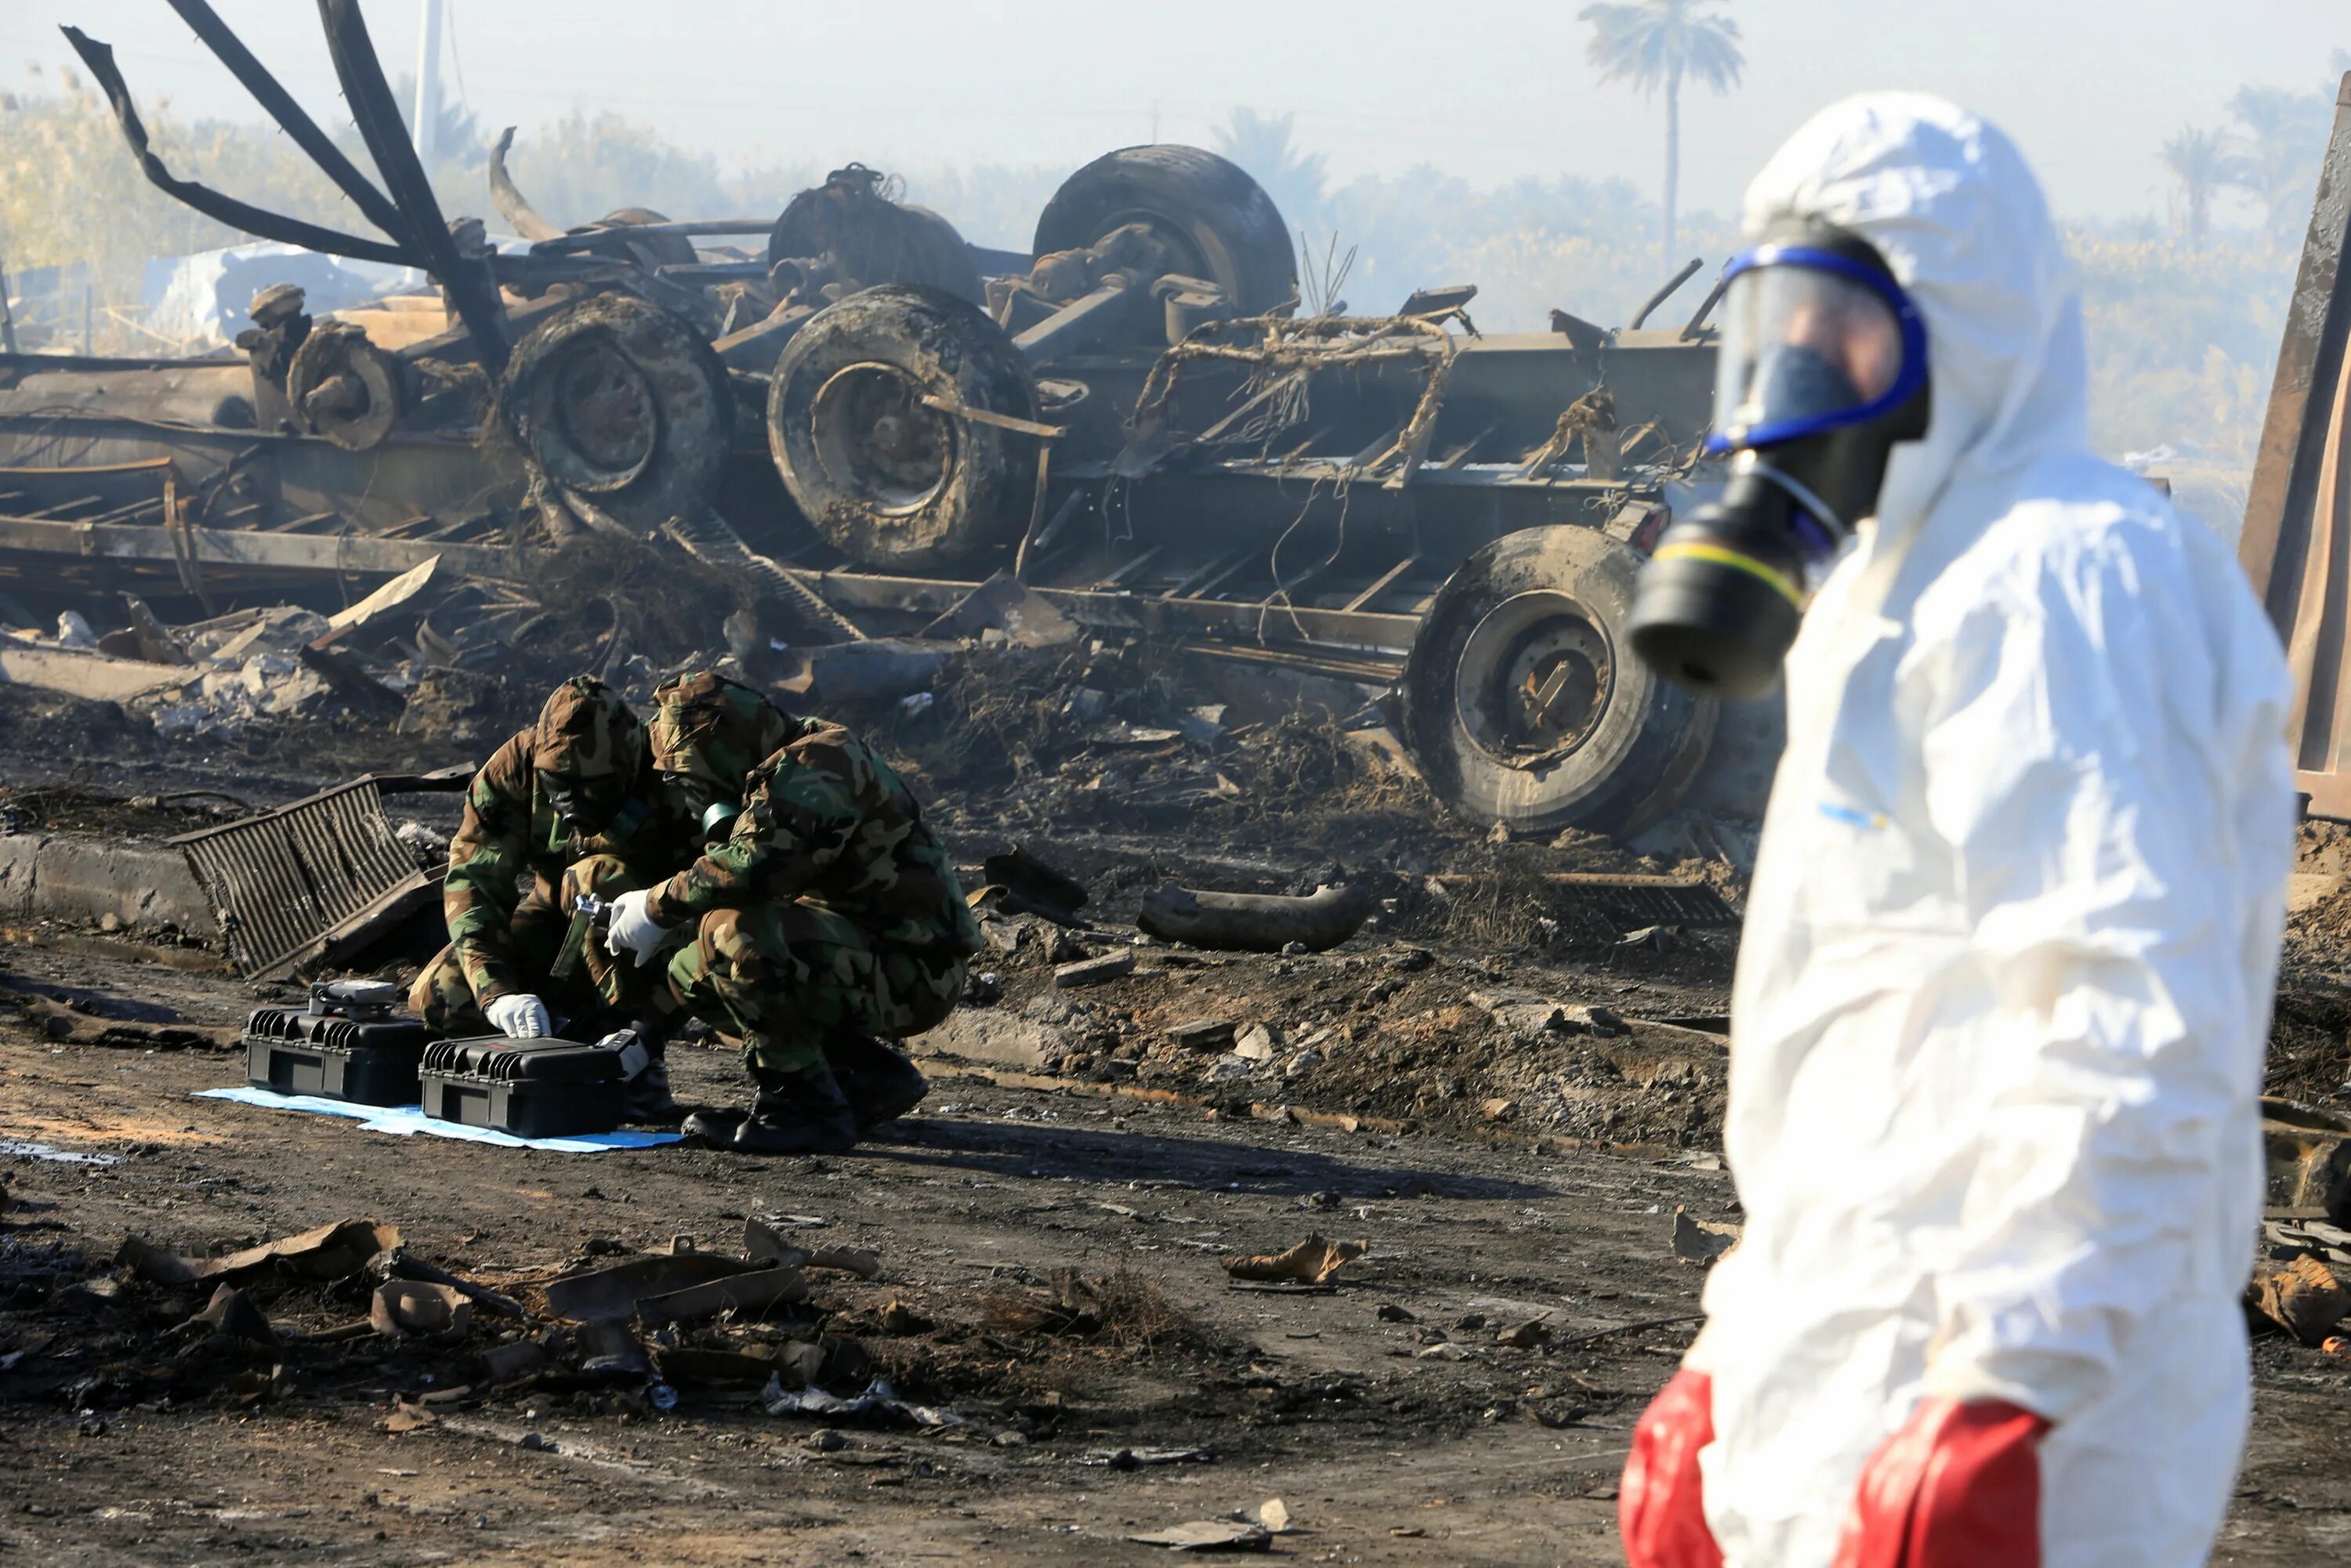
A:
(686, 438)
(929, 342)
(876, 241)
(1633, 760)
(1236, 234)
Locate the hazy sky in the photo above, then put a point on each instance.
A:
(1490, 89)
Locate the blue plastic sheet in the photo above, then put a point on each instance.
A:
(403, 1120)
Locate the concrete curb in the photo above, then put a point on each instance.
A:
(83, 877)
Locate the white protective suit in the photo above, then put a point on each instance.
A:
(2001, 999)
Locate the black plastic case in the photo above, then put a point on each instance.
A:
(347, 1045)
(531, 1088)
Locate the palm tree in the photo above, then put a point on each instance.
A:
(2284, 140)
(1263, 145)
(1654, 43)
(2202, 161)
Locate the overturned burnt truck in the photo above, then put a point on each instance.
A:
(1132, 419)
(1145, 432)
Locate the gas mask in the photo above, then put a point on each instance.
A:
(718, 820)
(1822, 372)
(586, 805)
(692, 792)
(702, 799)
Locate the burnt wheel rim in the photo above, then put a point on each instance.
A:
(1535, 677)
(876, 441)
(1171, 234)
(604, 407)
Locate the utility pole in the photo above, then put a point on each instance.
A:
(426, 116)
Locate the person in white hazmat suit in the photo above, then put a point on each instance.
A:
(2009, 952)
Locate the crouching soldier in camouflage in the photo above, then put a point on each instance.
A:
(829, 915)
(572, 803)
(709, 734)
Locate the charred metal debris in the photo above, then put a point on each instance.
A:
(863, 419)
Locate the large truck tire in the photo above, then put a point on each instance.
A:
(872, 239)
(870, 421)
(1524, 704)
(624, 403)
(1217, 221)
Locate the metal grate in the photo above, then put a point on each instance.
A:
(287, 883)
(713, 541)
(1631, 901)
(1628, 902)
(1699, 906)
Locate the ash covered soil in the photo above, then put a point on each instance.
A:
(1504, 1088)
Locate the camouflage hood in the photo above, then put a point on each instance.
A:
(586, 731)
(708, 727)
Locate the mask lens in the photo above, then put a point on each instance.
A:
(1802, 348)
(584, 804)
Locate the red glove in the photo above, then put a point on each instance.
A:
(1958, 1486)
(1661, 1500)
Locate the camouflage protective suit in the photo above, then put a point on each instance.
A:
(503, 941)
(829, 909)
(707, 728)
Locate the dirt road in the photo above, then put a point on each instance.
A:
(1385, 1415)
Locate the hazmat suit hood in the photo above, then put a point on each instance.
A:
(1949, 203)
(714, 731)
(586, 732)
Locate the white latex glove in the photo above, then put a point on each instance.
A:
(630, 928)
(519, 1016)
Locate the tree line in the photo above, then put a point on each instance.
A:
(2266, 151)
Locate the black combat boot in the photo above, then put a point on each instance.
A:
(646, 1097)
(879, 1083)
(797, 1113)
(715, 1125)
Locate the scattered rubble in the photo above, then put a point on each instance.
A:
(418, 653)
(877, 1400)
(230, 1313)
(1211, 1535)
(1312, 1262)
(413, 1307)
(2303, 1297)
(653, 1323)
(1700, 1240)
(2309, 1156)
(1093, 971)
(1159, 291)
(330, 1252)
